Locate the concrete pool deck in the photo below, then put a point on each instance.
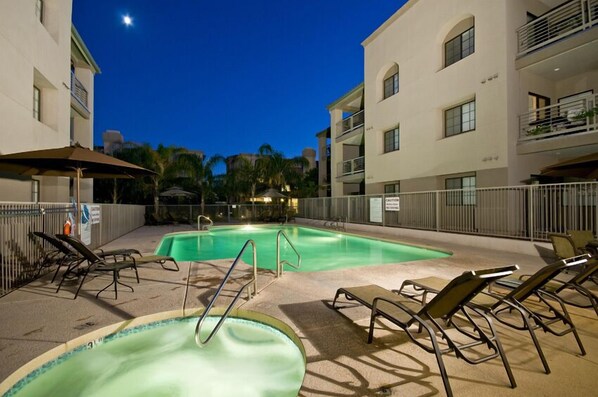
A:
(339, 361)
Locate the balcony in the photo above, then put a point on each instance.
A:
(559, 23)
(351, 127)
(569, 124)
(79, 96)
(351, 170)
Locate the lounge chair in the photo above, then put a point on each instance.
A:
(61, 255)
(584, 241)
(451, 300)
(560, 287)
(95, 263)
(563, 246)
(543, 314)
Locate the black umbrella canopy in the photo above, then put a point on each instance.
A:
(176, 191)
(272, 193)
(71, 161)
(581, 167)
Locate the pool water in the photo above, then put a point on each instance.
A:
(245, 358)
(319, 249)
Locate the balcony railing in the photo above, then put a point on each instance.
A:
(78, 90)
(580, 115)
(350, 123)
(350, 167)
(562, 21)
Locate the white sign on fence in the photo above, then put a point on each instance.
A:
(95, 214)
(376, 209)
(392, 203)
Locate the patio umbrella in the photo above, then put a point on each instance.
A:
(73, 161)
(176, 191)
(581, 167)
(272, 193)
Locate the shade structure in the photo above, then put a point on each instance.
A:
(272, 193)
(73, 161)
(580, 167)
(176, 191)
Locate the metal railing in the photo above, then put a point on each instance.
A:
(20, 252)
(578, 116)
(352, 166)
(78, 90)
(280, 264)
(199, 218)
(350, 123)
(522, 212)
(198, 339)
(221, 213)
(563, 21)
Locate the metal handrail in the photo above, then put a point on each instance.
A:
(279, 263)
(210, 222)
(198, 340)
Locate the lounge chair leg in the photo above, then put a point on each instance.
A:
(503, 356)
(532, 333)
(441, 367)
(80, 285)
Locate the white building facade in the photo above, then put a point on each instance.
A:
(466, 93)
(46, 92)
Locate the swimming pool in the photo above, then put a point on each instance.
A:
(319, 249)
(250, 356)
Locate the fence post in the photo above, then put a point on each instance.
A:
(437, 211)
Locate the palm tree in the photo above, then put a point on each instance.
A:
(200, 171)
(278, 171)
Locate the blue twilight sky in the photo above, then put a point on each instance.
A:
(225, 76)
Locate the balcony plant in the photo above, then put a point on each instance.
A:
(586, 114)
(539, 130)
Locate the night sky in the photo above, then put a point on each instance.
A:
(225, 76)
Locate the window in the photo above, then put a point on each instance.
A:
(39, 10)
(391, 85)
(36, 103)
(465, 195)
(390, 82)
(392, 188)
(391, 140)
(459, 47)
(536, 101)
(459, 119)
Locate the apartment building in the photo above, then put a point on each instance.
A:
(46, 92)
(465, 93)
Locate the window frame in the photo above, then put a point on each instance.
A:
(393, 143)
(396, 188)
(393, 86)
(452, 128)
(37, 103)
(459, 47)
(465, 194)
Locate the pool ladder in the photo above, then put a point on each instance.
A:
(280, 264)
(206, 227)
(252, 282)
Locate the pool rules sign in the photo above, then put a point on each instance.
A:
(392, 204)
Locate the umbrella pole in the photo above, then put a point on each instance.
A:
(78, 211)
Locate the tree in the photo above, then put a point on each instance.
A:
(199, 170)
(164, 161)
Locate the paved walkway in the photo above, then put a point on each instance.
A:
(339, 361)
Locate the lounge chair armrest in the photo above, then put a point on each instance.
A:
(394, 303)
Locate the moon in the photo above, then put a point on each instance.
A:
(127, 20)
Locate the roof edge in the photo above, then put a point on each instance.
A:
(344, 96)
(84, 50)
(389, 21)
